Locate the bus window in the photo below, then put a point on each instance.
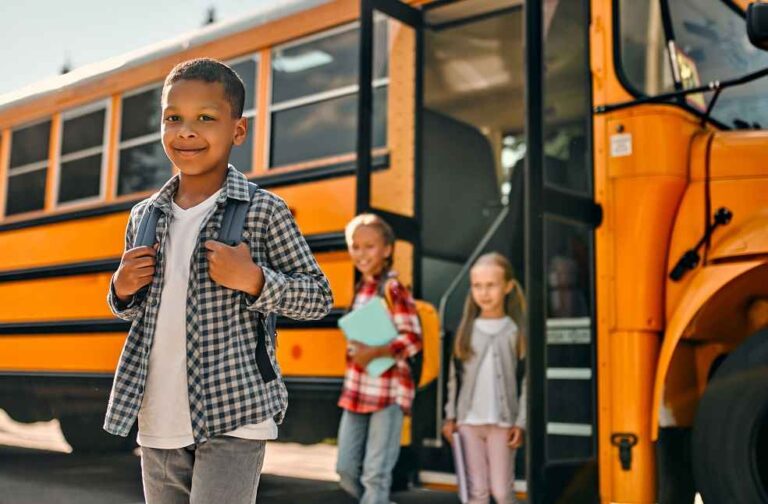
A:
(566, 98)
(28, 168)
(81, 170)
(242, 155)
(143, 164)
(314, 97)
(713, 37)
(642, 47)
(711, 44)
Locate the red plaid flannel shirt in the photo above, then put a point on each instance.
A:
(363, 393)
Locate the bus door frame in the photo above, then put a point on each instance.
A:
(542, 202)
(406, 228)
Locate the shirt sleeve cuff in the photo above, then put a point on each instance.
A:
(271, 293)
(116, 302)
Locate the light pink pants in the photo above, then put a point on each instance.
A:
(490, 463)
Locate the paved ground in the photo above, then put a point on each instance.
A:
(36, 467)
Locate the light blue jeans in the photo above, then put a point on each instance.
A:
(368, 448)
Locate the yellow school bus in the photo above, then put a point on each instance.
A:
(581, 138)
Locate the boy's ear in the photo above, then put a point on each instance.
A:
(509, 287)
(241, 131)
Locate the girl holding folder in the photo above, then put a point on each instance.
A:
(374, 406)
(484, 404)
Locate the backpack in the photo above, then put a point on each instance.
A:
(425, 364)
(230, 233)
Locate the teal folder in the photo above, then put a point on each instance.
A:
(371, 324)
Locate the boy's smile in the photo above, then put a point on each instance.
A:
(198, 129)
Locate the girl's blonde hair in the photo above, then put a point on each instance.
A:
(384, 229)
(514, 306)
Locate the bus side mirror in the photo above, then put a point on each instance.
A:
(757, 25)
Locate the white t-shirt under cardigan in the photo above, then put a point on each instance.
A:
(164, 418)
(484, 408)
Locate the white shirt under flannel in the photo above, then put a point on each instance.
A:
(225, 387)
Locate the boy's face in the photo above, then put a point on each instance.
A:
(198, 128)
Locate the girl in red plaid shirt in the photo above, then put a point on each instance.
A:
(374, 406)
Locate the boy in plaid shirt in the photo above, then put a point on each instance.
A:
(374, 406)
(198, 370)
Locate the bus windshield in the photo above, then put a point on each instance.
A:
(712, 45)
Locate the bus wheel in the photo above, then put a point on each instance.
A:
(84, 433)
(730, 439)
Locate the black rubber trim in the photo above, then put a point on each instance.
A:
(314, 385)
(345, 169)
(330, 321)
(90, 326)
(42, 376)
(569, 207)
(735, 8)
(85, 326)
(81, 268)
(326, 242)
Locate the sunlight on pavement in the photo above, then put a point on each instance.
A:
(315, 462)
(38, 435)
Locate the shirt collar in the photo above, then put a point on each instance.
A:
(235, 187)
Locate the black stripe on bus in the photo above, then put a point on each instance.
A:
(338, 170)
(314, 386)
(116, 325)
(322, 242)
(81, 268)
(93, 385)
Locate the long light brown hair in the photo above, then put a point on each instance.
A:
(514, 306)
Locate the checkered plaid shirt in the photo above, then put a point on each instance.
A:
(363, 393)
(225, 387)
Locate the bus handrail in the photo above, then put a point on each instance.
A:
(438, 442)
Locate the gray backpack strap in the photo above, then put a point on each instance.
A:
(233, 222)
(231, 233)
(145, 236)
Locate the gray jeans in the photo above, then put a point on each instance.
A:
(368, 448)
(223, 469)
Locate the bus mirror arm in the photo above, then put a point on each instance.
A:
(690, 259)
(716, 86)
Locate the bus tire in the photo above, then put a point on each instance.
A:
(84, 434)
(730, 439)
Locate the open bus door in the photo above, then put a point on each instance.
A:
(467, 86)
(560, 218)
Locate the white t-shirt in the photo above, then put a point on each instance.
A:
(484, 409)
(164, 418)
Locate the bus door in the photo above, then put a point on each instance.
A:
(501, 161)
(560, 219)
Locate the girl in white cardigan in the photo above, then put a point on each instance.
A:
(483, 400)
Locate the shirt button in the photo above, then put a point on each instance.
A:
(153, 302)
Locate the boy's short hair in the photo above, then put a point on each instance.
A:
(211, 70)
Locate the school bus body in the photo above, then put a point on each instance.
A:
(656, 339)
